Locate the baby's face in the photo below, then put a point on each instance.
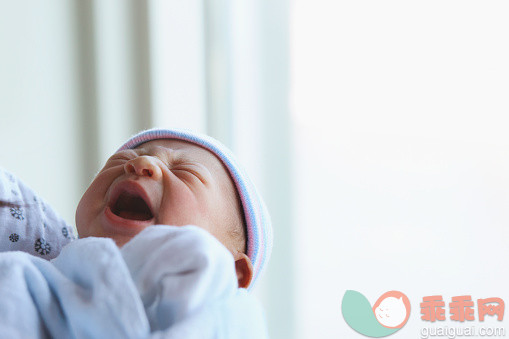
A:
(168, 182)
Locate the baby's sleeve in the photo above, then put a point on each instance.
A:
(187, 281)
(27, 222)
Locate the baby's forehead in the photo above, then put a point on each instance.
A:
(179, 150)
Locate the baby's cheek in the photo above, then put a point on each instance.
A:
(90, 207)
(81, 212)
(84, 218)
(181, 208)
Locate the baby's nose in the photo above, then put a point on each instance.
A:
(143, 166)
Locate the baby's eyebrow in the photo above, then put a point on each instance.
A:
(171, 155)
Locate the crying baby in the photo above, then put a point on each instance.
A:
(175, 177)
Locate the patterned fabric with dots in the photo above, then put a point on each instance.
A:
(27, 223)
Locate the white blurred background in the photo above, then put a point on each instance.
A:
(377, 131)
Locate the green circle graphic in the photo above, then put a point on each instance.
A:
(359, 315)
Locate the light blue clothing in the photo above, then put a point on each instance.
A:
(29, 224)
(167, 282)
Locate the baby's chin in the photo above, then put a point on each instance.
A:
(102, 232)
(120, 242)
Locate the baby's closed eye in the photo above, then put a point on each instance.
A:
(195, 170)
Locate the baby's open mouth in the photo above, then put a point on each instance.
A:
(131, 206)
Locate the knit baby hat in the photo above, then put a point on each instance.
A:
(257, 219)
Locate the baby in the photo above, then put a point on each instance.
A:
(175, 178)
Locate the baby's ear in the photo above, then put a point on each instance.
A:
(244, 269)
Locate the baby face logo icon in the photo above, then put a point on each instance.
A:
(389, 313)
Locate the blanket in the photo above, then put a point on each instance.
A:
(167, 282)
